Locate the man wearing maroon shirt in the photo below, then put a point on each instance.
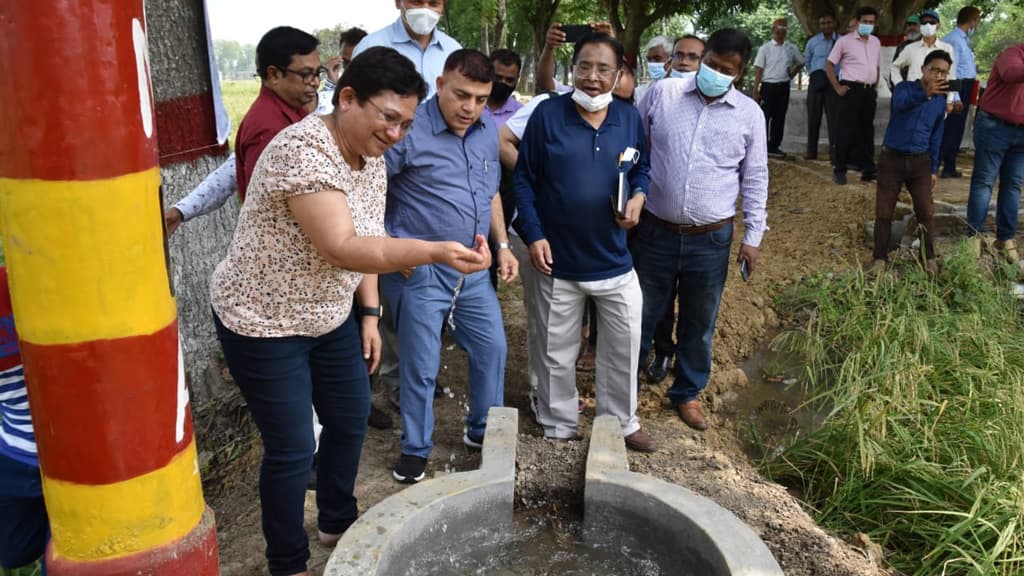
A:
(999, 152)
(288, 64)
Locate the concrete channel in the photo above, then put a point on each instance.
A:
(441, 513)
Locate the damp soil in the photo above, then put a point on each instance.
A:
(815, 226)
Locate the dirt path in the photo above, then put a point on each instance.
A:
(814, 226)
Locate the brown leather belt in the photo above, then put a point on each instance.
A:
(687, 229)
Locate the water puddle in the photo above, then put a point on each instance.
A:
(545, 545)
(771, 409)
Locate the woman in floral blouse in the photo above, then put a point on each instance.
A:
(310, 236)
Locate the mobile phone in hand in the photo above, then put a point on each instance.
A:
(953, 85)
(573, 32)
(744, 270)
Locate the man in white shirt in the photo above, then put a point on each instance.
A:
(776, 63)
(913, 55)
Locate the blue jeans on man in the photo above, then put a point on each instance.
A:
(700, 263)
(998, 153)
(283, 380)
(421, 305)
(24, 527)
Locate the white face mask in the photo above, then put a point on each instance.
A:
(422, 20)
(592, 103)
(929, 30)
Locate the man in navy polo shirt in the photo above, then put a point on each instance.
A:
(578, 151)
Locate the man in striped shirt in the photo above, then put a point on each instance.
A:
(24, 527)
(708, 149)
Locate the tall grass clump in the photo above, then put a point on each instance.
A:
(922, 385)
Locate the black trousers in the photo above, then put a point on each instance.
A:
(820, 98)
(895, 170)
(956, 124)
(855, 128)
(775, 102)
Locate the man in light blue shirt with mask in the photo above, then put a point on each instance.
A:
(966, 23)
(820, 96)
(414, 35)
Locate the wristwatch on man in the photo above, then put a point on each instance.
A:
(369, 311)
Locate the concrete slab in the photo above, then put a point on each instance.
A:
(435, 514)
(692, 532)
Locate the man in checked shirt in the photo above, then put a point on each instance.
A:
(708, 147)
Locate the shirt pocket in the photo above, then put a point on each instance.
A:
(484, 173)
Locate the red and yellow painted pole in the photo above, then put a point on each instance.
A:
(81, 220)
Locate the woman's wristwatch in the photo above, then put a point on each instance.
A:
(369, 311)
(504, 245)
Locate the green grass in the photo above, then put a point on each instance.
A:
(30, 570)
(923, 384)
(238, 95)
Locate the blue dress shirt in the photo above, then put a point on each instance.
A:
(817, 50)
(440, 185)
(429, 63)
(964, 56)
(916, 121)
(565, 178)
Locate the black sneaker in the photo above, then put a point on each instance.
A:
(473, 441)
(311, 483)
(410, 469)
(658, 368)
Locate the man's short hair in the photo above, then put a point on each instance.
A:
(380, 69)
(353, 36)
(472, 64)
(277, 47)
(662, 41)
(827, 15)
(598, 38)
(938, 55)
(966, 14)
(866, 11)
(778, 21)
(688, 37)
(729, 41)
(508, 58)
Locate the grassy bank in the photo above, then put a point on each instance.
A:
(923, 384)
(238, 95)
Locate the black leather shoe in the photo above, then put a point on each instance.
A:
(867, 177)
(956, 174)
(839, 178)
(657, 369)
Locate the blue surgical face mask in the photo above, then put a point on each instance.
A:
(865, 29)
(678, 74)
(970, 32)
(656, 70)
(713, 83)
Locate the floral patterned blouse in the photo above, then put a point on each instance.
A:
(273, 282)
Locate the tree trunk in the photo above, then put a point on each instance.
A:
(892, 13)
(543, 16)
(500, 23)
(485, 42)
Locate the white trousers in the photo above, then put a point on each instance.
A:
(558, 315)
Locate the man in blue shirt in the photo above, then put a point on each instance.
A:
(820, 95)
(415, 36)
(910, 154)
(966, 23)
(443, 184)
(580, 153)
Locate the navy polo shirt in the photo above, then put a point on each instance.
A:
(916, 121)
(440, 185)
(565, 179)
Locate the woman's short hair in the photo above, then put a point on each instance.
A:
(381, 69)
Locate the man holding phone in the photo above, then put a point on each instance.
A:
(910, 154)
(913, 56)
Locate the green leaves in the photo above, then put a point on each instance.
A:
(923, 384)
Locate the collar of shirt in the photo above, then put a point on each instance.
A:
(292, 114)
(508, 107)
(400, 34)
(731, 96)
(437, 121)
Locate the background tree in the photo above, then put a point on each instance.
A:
(632, 18)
